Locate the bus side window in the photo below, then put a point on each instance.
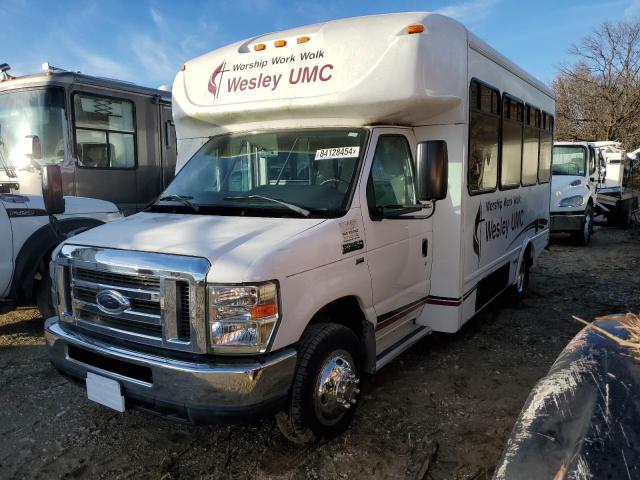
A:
(484, 135)
(546, 147)
(511, 142)
(531, 147)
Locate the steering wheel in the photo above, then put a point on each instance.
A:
(336, 180)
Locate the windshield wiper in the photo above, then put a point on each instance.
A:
(302, 211)
(182, 199)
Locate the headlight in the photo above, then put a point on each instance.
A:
(242, 317)
(575, 201)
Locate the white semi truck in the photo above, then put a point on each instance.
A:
(344, 189)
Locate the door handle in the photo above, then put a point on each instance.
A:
(425, 247)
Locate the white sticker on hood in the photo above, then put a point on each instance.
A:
(338, 152)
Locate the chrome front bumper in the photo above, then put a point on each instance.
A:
(206, 391)
(567, 223)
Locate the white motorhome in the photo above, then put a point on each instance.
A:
(352, 186)
(574, 183)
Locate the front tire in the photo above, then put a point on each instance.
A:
(584, 235)
(43, 296)
(325, 386)
(522, 278)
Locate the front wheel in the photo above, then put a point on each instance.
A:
(584, 235)
(325, 386)
(43, 296)
(522, 278)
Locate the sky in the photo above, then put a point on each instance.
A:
(146, 41)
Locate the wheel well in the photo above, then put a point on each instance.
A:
(346, 311)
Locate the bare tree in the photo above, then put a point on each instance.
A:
(598, 96)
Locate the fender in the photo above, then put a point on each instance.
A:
(37, 249)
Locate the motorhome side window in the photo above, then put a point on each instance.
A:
(392, 180)
(104, 132)
(512, 120)
(546, 147)
(484, 135)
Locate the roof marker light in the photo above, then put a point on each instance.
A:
(417, 28)
(280, 43)
(303, 39)
(259, 46)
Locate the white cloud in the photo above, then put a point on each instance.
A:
(633, 9)
(153, 57)
(95, 64)
(468, 11)
(157, 18)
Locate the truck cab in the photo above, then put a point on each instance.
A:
(28, 239)
(574, 183)
(114, 140)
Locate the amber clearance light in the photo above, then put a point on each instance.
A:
(280, 43)
(259, 46)
(417, 28)
(303, 39)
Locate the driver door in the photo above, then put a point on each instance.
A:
(398, 249)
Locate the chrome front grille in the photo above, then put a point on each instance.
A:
(159, 299)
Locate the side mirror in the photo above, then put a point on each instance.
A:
(32, 147)
(52, 189)
(432, 170)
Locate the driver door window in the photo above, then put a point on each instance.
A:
(104, 132)
(391, 181)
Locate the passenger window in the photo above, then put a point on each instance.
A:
(391, 181)
(531, 148)
(592, 160)
(484, 134)
(104, 132)
(512, 119)
(546, 147)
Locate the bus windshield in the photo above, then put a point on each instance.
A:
(306, 172)
(570, 160)
(32, 112)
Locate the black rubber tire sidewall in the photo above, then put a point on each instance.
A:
(43, 296)
(317, 344)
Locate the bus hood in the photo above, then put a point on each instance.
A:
(231, 244)
(33, 205)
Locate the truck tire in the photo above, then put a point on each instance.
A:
(584, 235)
(43, 296)
(624, 213)
(325, 386)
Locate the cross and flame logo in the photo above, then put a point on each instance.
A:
(214, 81)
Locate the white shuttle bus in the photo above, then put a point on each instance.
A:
(344, 189)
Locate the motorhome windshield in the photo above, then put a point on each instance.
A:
(32, 112)
(570, 160)
(289, 173)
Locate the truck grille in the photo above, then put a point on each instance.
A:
(144, 315)
(151, 298)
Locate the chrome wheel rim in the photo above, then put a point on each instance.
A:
(521, 277)
(336, 387)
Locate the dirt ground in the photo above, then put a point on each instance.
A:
(457, 394)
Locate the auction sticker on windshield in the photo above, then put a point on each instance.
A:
(338, 152)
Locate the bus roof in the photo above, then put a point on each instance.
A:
(354, 71)
(63, 77)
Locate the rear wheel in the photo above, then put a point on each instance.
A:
(625, 212)
(522, 277)
(325, 386)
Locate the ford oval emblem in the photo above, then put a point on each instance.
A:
(112, 302)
